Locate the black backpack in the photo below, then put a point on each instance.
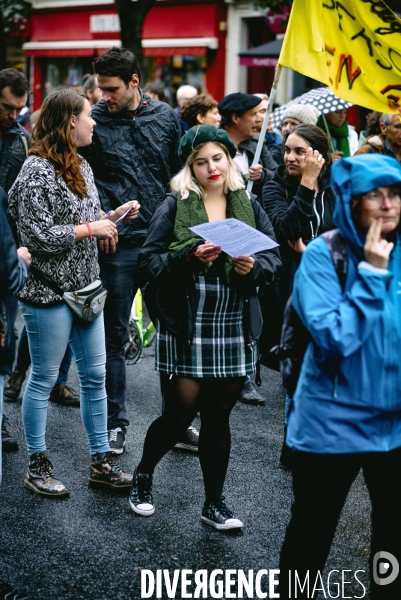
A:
(294, 335)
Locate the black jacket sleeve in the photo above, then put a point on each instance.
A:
(155, 260)
(13, 274)
(276, 152)
(267, 262)
(289, 216)
(174, 160)
(162, 277)
(13, 269)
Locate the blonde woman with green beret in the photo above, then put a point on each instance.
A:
(207, 313)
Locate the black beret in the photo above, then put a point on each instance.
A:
(238, 103)
(201, 134)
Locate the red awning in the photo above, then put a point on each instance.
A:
(60, 52)
(196, 46)
(167, 31)
(183, 21)
(152, 48)
(173, 51)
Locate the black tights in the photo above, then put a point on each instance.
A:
(183, 399)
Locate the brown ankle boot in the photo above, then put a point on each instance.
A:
(105, 473)
(39, 478)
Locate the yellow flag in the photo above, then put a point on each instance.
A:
(353, 46)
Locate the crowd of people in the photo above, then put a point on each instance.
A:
(100, 202)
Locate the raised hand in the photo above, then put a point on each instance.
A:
(377, 249)
(311, 167)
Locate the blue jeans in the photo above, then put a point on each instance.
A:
(24, 359)
(2, 379)
(50, 330)
(119, 275)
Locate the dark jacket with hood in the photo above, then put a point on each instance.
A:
(276, 152)
(13, 274)
(295, 213)
(169, 286)
(15, 142)
(134, 158)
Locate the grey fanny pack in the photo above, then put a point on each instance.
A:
(87, 303)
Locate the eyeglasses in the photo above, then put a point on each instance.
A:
(375, 198)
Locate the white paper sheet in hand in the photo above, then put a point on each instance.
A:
(234, 237)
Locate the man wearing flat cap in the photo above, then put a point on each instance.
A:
(241, 120)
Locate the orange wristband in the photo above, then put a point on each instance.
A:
(89, 229)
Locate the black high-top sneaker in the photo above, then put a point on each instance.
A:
(140, 497)
(219, 516)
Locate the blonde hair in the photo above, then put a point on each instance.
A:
(185, 181)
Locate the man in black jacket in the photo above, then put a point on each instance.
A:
(14, 139)
(242, 120)
(13, 273)
(133, 156)
(14, 144)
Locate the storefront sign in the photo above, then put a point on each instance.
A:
(254, 61)
(104, 23)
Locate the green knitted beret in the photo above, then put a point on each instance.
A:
(200, 134)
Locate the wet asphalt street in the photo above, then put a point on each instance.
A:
(92, 547)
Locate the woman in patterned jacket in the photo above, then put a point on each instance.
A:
(55, 204)
(207, 314)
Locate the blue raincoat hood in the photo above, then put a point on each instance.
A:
(359, 175)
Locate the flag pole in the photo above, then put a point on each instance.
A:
(272, 97)
(328, 132)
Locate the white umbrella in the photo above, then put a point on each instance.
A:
(322, 98)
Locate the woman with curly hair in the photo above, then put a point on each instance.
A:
(56, 207)
(201, 110)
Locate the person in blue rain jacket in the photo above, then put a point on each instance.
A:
(346, 412)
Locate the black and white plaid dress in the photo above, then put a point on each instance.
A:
(218, 348)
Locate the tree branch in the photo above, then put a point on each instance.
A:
(132, 15)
